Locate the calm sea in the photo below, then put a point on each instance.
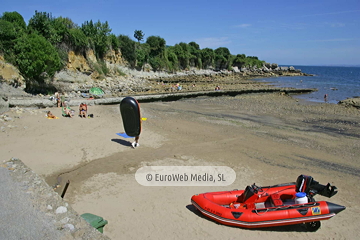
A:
(338, 82)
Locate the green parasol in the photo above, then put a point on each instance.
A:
(96, 91)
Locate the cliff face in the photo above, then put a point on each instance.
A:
(86, 64)
(84, 71)
(10, 74)
(78, 62)
(114, 57)
(79, 69)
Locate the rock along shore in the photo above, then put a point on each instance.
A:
(33, 210)
(43, 103)
(155, 87)
(148, 87)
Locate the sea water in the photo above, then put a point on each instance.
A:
(338, 83)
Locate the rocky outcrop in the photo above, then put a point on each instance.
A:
(351, 102)
(8, 91)
(68, 80)
(33, 103)
(84, 72)
(77, 63)
(10, 74)
(115, 57)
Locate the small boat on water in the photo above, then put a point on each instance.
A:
(278, 205)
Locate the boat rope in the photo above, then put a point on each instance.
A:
(256, 211)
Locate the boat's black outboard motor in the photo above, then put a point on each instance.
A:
(303, 183)
(311, 187)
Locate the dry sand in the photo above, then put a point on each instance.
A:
(266, 138)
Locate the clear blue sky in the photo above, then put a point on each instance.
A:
(285, 32)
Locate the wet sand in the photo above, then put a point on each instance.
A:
(266, 138)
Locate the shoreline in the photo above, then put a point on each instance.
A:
(339, 83)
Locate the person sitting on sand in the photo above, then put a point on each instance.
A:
(50, 115)
(83, 110)
(66, 110)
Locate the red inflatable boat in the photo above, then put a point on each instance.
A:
(278, 205)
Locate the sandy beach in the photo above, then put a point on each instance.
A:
(265, 138)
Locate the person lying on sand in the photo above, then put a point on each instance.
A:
(83, 110)
(50, 115)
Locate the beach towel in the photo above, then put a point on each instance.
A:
(124, 135)
(52, 118)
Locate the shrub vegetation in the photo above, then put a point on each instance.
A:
(40, 48)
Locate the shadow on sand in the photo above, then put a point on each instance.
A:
(122, 142)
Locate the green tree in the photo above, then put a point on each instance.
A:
(127, 47)
(157, 63)
(139, 35)
(195, 55)
(42, 24)
(157, 52)
(12, 26)
(8, 35)
(15, 18)
(173, 62)
(114, 42)
(157, 45)
(251, 61)
(77, 40)
(36, 56)
(142, 55)
(222, 57)
(240, 60)
(98, 36)
(194, 45)
(207, 57)
(62, 27)
(183, 55)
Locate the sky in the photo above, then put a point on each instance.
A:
(284, 32)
